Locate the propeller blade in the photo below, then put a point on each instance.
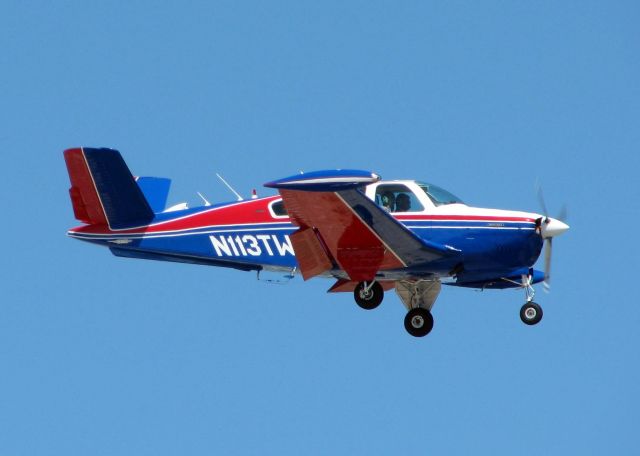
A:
(547, 263)
(541, 200)
(562, 216)
(548, 228)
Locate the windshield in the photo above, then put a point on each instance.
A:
(439, 195)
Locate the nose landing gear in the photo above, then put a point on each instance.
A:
(531, 312)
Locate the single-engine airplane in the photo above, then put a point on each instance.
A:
(368, 234)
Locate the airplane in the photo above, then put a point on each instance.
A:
(367, 234)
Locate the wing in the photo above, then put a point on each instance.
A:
(339, 227)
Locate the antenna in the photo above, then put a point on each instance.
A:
(229, 187)
(206, 203)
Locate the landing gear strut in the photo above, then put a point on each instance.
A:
(418, 297)
(531, 312)
(368, 295)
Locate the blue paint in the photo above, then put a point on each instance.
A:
(156, 191)
(326, 180)
(123, 201)
(486, 253)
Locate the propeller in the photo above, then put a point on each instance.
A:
(548, 248)
(549, 228)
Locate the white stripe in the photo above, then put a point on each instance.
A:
(329, 180)
(181, 230)
(470, 228)
(196, 233)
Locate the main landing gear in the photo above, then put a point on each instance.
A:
(418, 297)
(418, 322)
(368, 295)
(531, 312)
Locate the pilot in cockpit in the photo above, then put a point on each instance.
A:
(388, 200)
(403, 202)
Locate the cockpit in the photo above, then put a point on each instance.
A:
(399, 196)
(410, 196)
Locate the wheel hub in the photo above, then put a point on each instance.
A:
(366, 294)
(531, 313)
(417, 322)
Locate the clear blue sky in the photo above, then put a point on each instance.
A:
(104, 356)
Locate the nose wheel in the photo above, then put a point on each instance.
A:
(418, 322)
(531, 313)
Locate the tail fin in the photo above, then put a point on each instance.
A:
(103, 191)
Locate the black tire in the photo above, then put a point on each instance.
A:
(370, 300)
(418, 322)
(531, 313)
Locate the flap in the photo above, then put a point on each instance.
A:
(358, 234)
(310, 253)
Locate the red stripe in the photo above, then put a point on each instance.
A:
(248, 212)
(245, 212)
(492, 218)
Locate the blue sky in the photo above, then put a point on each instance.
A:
(102, 355)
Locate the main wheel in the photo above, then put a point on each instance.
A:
(418, 322)
(368, 299)
(531, 313)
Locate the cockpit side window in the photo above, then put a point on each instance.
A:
(397, 198)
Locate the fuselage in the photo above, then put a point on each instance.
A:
(255, 234)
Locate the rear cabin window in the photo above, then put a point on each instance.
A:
(278, 209)
(397, 198)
